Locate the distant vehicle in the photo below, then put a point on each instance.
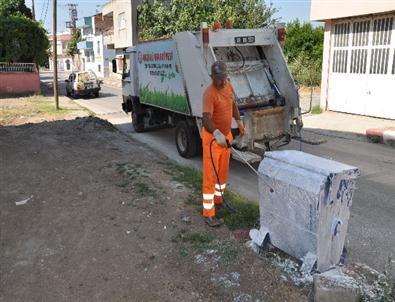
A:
(82, 83)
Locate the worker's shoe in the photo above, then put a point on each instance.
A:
(213, 221)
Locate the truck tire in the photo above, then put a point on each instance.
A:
(187, 140)
(137, 121)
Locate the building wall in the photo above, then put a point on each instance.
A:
(65, 62)
(19, 83)
(124, 22)
(358, 68)
(324, 10)
(326, 64)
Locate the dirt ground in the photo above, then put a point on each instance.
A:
(88, 214)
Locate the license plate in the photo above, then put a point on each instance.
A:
(89, 86)
(245, 40)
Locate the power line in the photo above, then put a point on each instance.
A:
(46, 11)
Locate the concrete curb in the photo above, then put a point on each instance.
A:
(384, 135)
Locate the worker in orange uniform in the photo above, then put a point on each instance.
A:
(218, 109)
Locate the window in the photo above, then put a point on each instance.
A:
(114, 65)
(360, 33)
(393, 64)
(122, 21)
(358, 60)
(379, 60)
(382, 31)
(68, 64)
(99, 68)
(341, 37)
(340, 61)
(126, 67)
(342, 32)
(98, 47)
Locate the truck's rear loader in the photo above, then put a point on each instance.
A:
(164, 81)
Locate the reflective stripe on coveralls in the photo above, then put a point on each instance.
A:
(218, 189)
(221, 157)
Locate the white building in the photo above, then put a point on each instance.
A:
(358, 72)
(94, 55)
(65, 62)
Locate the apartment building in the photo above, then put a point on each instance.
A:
(93, 54)
(119, 29)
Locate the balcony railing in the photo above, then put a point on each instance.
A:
(17, 67)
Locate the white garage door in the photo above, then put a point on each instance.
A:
(362, 67)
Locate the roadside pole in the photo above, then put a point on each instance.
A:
(55, 55)
(33, 11)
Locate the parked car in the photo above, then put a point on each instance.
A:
(82, 83)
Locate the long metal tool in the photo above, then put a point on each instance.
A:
(251, 167)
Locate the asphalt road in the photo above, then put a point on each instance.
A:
(371, 237)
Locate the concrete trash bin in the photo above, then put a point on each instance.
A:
(307, 214)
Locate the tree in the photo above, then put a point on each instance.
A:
(23, 40)
(303, 51)
(306, 70)
(14, 7)
(161, 18)
(303, 38)
(72, 49)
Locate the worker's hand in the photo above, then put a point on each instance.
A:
(220, 138)
(240, 125)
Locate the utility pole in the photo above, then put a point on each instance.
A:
(33, 11)
(72, 24)
(55, 54)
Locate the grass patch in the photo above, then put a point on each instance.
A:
(247, 215)
(200, 242)
(134, 174)
(227, 251)
(143, 189)
(316, 109)
(196, 240)
(189, 177)
(35, 106)
(374, 139)
(193, 200)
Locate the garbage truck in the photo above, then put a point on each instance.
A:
(163, 82)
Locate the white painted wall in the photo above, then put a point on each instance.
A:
(332, 9)
(96, 59)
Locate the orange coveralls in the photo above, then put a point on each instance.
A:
(219, 103)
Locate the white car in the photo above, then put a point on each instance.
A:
(82, 83)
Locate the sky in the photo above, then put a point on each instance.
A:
(288, 10)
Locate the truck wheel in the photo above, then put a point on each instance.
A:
(138, 122)
(187, 140)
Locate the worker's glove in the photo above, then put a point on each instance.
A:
(240, 125)
(220, 138)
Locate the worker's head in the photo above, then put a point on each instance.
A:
(219, 74)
